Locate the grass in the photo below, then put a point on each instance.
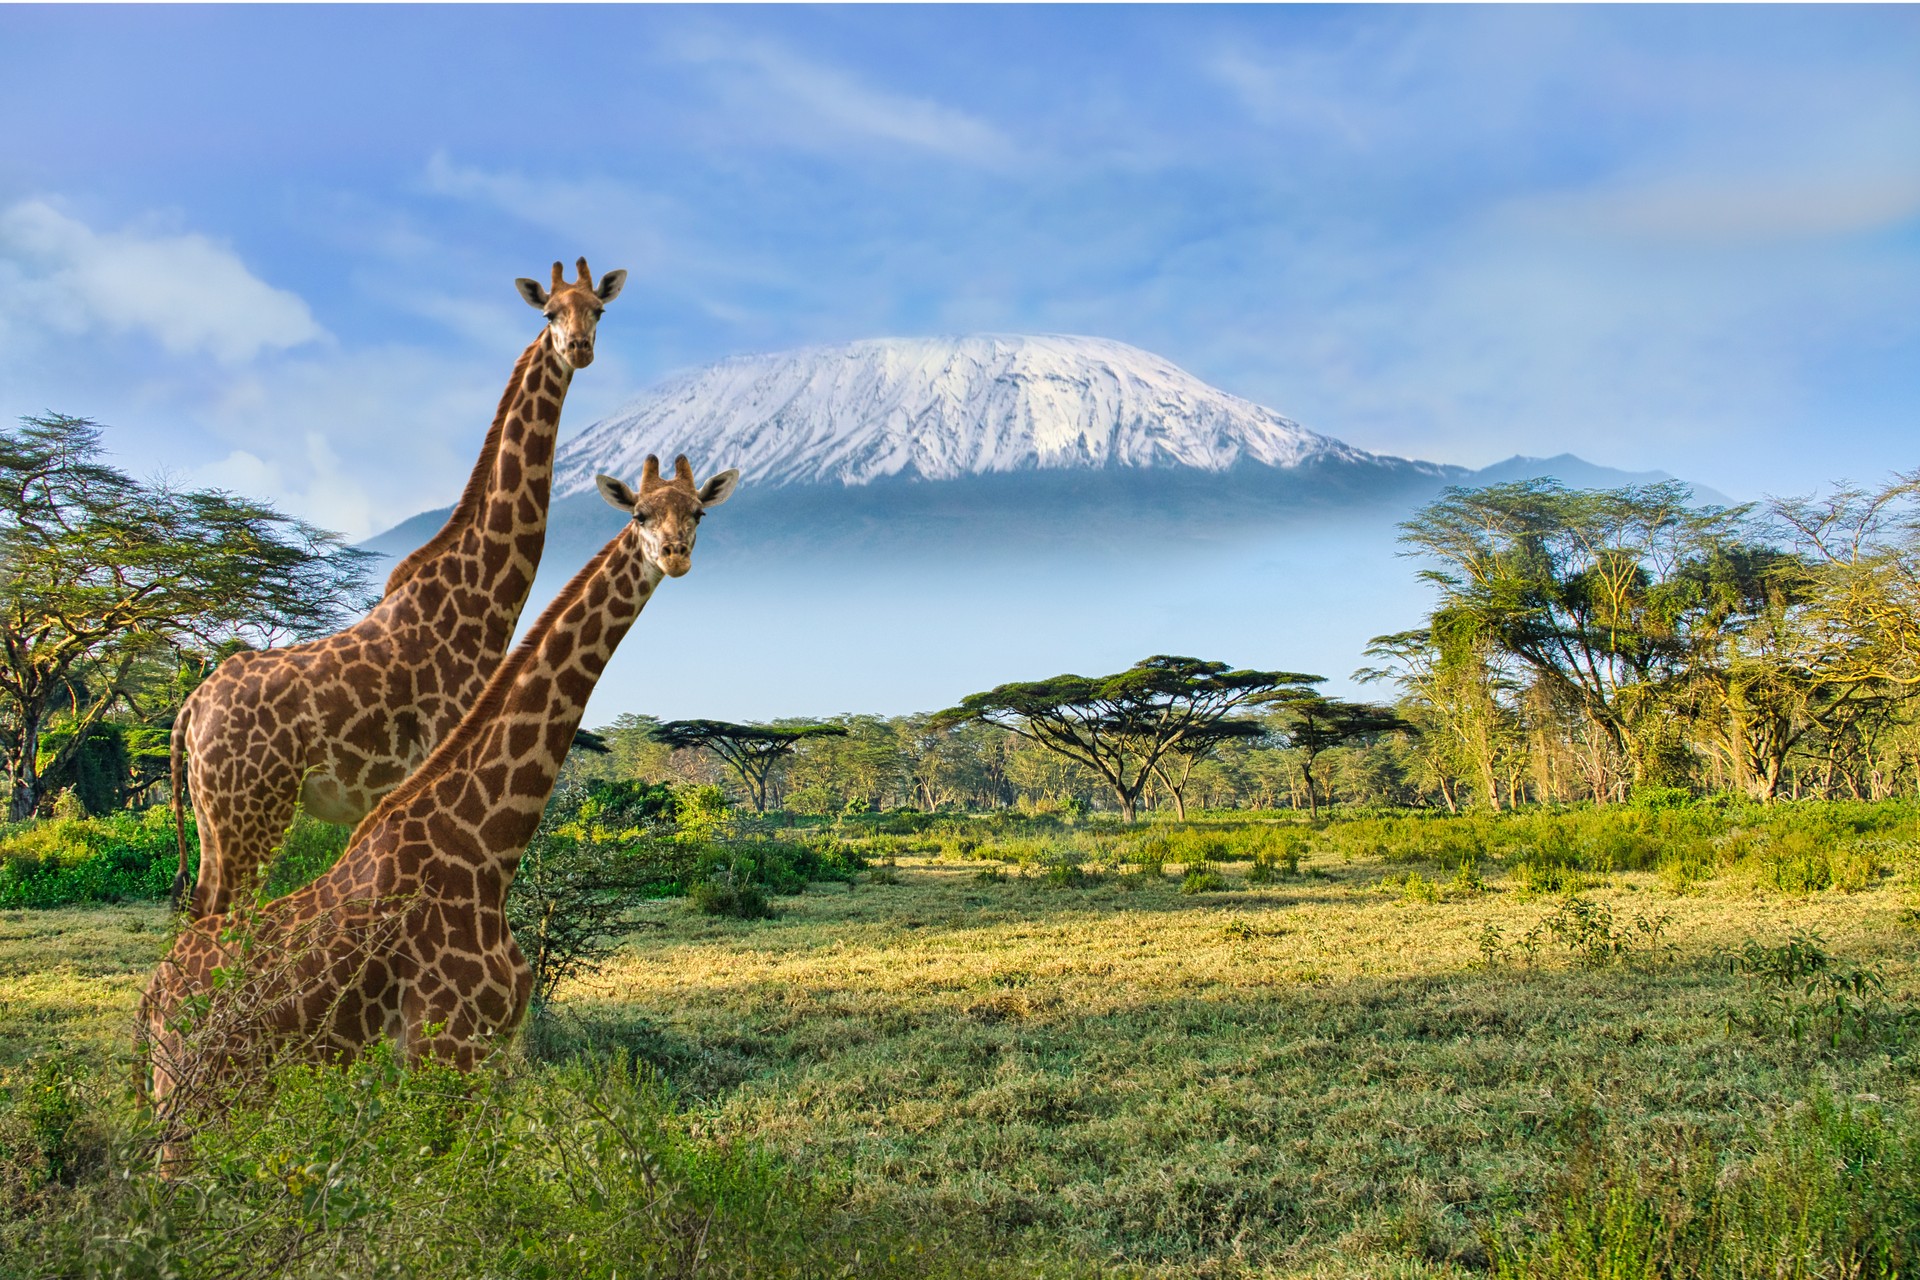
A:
(1312, 1069)
(1292, 1076)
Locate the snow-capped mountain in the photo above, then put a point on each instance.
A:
(940, 409)
(921, 518)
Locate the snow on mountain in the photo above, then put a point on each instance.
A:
(939, 408)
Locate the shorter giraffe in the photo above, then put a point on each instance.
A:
(406, 937)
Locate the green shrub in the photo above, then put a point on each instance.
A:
(1202, 880)
(118, 858)
(573, 898)
(731, 891)
(583, 1170)
(1072, 874)
(1829, 1189)
(1797, 989)
(814, 800)
(1595, 938)
(310, 847)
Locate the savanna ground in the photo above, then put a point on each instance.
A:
(1371, 1063)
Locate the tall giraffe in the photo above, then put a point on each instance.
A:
(406, 937)
(337, 723)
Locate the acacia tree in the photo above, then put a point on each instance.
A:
(98, 570)
(1313, 724)
(750, 750)
(1862, 548)
(1454, 678)
(1582, 587)
(1122, 726)
(1175, 766)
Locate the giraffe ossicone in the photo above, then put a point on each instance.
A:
(337, 723)
(405, 938)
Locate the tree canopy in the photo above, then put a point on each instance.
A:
(101, 573)
(749, 749)
(1124, 726)
(1314, 724)
(1596, 591)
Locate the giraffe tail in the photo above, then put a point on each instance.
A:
(176, 759)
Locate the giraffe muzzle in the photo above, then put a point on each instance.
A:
(579, 354)
(676, 559)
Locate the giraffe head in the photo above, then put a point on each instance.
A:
(667, 510)
(573, 310)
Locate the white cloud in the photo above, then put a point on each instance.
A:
(183, 290)
(355, 441)
(797, 100)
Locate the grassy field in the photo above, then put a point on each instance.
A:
(1367, 1067)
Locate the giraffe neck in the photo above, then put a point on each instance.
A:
(482, 791)
(512, 522)
(501, 518)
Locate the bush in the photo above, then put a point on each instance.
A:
(121, 857)
(311, 846)
(379, 1170)
(730, 891)
(1202, 880)
(1831, 1189)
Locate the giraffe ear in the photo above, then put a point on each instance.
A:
(720, 488)
(531, 291)
(610, 285)
(617, 493)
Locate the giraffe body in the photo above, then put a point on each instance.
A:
(406, 937)
(337, 723)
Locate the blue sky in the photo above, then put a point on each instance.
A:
(273, 248)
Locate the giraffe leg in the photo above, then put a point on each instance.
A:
(238, 834)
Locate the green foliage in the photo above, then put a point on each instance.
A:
(701, 813)
(310, 847)
(1275, 857)
(1202, 879)
(628, 810)
(577, 891)
(118, 858)
(1130, 727)
(1589, 932)
(379, 1170)
(1797, 989)
(98, 571)
(1829, 1188)
(730, 890)
(96, 771)
(45, 1139)
(1070, 870)
(750, 750)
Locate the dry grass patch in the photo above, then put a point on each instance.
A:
(1312, 1074)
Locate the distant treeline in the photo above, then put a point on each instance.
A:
(1585, 646)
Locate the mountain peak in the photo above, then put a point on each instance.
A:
(940, 408)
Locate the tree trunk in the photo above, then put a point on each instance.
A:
(25, 800)
(1178, 793)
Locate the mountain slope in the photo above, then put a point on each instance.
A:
(941, 408)
(922, 519)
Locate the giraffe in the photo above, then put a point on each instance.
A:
(406, 937)
(338, 722)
